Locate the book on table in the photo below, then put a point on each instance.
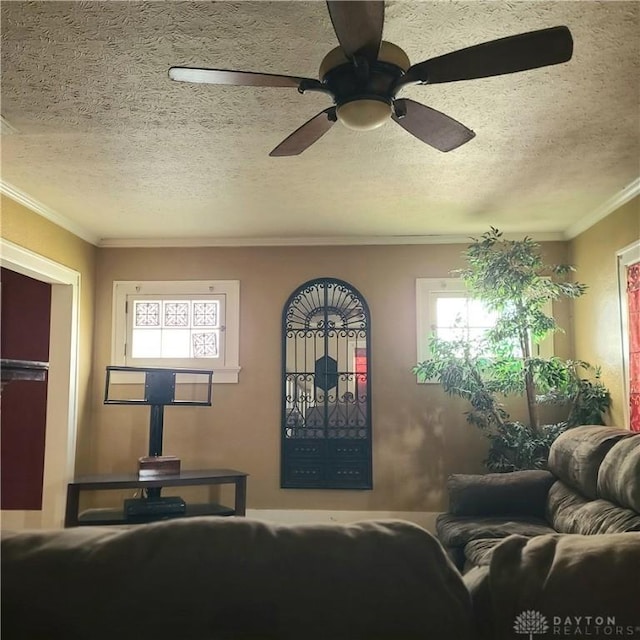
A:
(152, 466)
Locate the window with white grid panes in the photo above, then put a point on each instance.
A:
(445, 309)
(460, 317)
(178, 324)
(175, 328)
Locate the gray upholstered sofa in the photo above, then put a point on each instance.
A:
(560, 585)
(592, 487)
(239, 579)
(232, 579)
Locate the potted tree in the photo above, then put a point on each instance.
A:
(512, 280)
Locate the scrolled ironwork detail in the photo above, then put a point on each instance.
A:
(326, 384)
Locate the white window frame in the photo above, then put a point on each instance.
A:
(427, 292)
(225, 369)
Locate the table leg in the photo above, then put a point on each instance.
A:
(241, 496)
(73, 504)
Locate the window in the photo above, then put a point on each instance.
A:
(192, 324)
(458, 316)
(175, 328)
(445, 308)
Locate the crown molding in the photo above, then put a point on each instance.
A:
(621, 198)
(46, 212)
(6, 128)
(131, 243)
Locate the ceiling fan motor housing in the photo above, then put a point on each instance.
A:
(363, 89)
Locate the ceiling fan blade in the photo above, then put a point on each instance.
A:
(303, 137)
(237, 78)
(358, 26)
(431, 126)
(506, 55)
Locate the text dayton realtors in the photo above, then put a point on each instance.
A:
(590, 625)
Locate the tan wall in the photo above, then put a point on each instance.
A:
(596, 321)
(420, 435)
(33, 232)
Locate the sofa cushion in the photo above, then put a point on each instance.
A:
(519, 493)
(231, 578)
(619, 474)
(563, 578)
(477, 582)
(563, 506)
(576, 455)
(478, 552)
(602, 516)
(570, 512)
(457, 531)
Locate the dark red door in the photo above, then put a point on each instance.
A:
(25, 317)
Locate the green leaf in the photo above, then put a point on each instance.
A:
(512, 279)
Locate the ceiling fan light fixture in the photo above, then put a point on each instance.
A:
(364, 114)
(364, 74)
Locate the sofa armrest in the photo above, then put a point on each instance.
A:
(571, 580)
(517, 493)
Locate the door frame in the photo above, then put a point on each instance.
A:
(625, 258)
(62, 391)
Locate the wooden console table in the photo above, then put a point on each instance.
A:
(131, 481)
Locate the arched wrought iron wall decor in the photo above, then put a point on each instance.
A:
(326, 388)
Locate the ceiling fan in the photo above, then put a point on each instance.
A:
(364, 75)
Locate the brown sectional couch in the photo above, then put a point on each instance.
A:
(570, 586)
(241, 579)
(232, 579)
(592, 487)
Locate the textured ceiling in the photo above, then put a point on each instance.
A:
(105, 139)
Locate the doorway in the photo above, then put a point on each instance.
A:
(61, 404)
(25, 322)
